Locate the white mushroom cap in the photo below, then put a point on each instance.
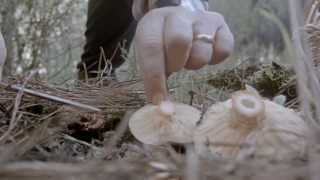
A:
(220, 132)
(168, 122)
(248, 124)
(284, 133)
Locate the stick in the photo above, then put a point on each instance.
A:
(50, 97)
(67, 137)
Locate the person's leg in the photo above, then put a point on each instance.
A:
(110, 23)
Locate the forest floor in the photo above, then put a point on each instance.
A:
(41, 139)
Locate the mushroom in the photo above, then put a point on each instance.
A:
(164, 123)
(3, 54)
(247, 124)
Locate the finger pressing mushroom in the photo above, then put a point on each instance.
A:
(164, 123)
(149, 48)
(247, 123)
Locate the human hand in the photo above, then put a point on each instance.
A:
(169, 39)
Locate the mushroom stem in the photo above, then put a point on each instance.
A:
(167, 108)
(247, 109)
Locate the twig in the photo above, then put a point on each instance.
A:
(15, 110)
(119, 133)
(65, 136)
(50, 97)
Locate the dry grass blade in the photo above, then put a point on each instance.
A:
(50, 171)
(115, 97)
(147, 168)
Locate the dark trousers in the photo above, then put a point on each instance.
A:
(110, 23)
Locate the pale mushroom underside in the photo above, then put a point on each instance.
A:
(281, 134)
(151, 125)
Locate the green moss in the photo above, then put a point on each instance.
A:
(234, 79)
(266, 78)
(270, 79)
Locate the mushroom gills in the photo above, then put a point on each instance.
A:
(168, 122)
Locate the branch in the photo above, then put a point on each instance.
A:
(50, 97)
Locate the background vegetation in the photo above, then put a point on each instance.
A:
(51, 33)
(43, 32)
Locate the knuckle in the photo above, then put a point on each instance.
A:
(151, 43)
(181, 40)
(148, 42)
